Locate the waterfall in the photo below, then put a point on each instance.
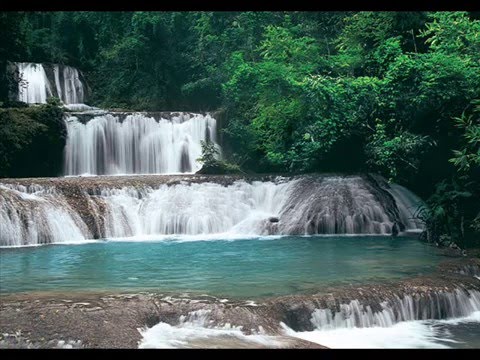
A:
(136, 143)
(37, 215)
(39, 81)
(435, 305)
(34, 86)
(116, 143)
(403, 315)
(69, 86)
(408, 204)
(344, 205)
(192, 209)
(85, 208)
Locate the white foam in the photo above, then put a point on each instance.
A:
(474, 317)
(188, 238)
(37, 216)
(164, 336)
(194, 331)
(72, 242)
(82, 107)
(407, 334)
(411, 334)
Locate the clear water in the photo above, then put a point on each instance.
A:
(242, 268)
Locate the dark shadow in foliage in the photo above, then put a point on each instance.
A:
(32, 141)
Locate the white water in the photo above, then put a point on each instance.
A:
(413, 334)
(36, 86)
(206, 208)
(408, 204)
(198, 211)
(335, 205)
(193, 331)
(245, 209)
(196, 330)
(409, 322)
(137, 145)
(83, 108)
(434, 334)
(37, 216)
(69, 86)
(408, 308)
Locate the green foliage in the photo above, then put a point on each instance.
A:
(211, 162)
(453, 33)
(452, 213)
(11, 48)
(468, 158)
(54, 101)
(32, 143)
(209, 153)
(13, 104)
(396, 156)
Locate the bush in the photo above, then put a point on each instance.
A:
(212, 165)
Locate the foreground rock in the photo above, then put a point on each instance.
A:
(108, 320)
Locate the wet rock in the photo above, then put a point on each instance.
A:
(395, 229)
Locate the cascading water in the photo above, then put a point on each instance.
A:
(70, 88)
(116, 143)
(136, 144)
(40, 81)
(416, 318)
(335, 205)
(192, 209)
(37, 215)
(34, 86)
(109, 143)
(408, 204)
(437, 305)
(409, 317)
(284, 206)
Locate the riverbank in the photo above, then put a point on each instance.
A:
(118, 320)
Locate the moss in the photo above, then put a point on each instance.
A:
(32, 141)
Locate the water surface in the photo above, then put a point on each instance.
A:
(242, 268)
